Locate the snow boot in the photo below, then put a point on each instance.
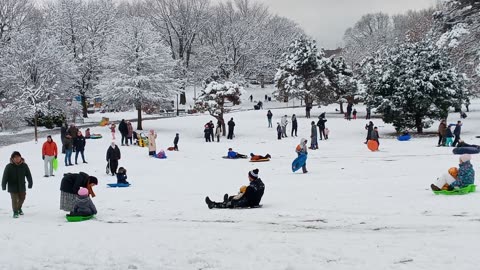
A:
(20, 212)
(15, 214)
(435, 188)
(225, 198)
(209, 202)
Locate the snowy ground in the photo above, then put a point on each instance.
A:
(355, 209)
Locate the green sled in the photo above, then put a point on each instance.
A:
(78, 218)
(461, 191)
(55, 164)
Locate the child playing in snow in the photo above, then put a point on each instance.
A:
(327, 131)
(236, 197)
(83, 204)
(444, 181)
(112, 130)
(122, 176)
(465, 176)
(259, 157)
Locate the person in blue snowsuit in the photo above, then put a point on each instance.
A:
(233, 154)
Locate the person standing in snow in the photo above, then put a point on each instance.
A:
(206, 133)
(308, 108)
(349, 111)
(354, 114)
(294, 125)
(68, 143)
(231, 126)
(375, 136)
(369, 128)
(79, 144)
(251, 98)
(301, 149)
(129, 132)
(284, 123)
(122, 127)
(112, 130)
(211, 128)
(313, 137)
(456, 132)
(175, 142)
(279, 131)
(218, 131)
(152, 144)
(269, 118)
(113, 156)
(49, 153)
(14, 176)
(369, 111)
(321, 125)
(442, 131)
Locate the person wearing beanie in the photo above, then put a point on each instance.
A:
(71, 184)
(175, 142)
(466, 174)
(83, 205)
(251, 198)
(49, 153)
(122, 176)
(14, 176)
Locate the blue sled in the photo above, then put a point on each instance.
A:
(118, 185)
(299, 162)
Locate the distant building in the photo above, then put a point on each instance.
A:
(335, 52)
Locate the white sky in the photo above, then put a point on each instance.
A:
(327, 20)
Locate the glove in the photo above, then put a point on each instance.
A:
(43, 157)
(30, 185)
(55, 157)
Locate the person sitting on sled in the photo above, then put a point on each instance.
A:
(251, 198)
(233, 154)
(83, 204)
(122, 176)
(465, 177)
(259, 157)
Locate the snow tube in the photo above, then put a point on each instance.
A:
(465, 150)
(78, 218)
(118, 185)
(404, 137)
(96, 136)
(299, 162)
(161, 155)
(461, 191)
(372, 145)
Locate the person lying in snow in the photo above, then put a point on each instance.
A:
(465, 177)
(251, 198)
(233, 154)
(259, 157)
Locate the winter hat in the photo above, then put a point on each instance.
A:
(465, 157)
(453, 171)
(251, 154)
(253, 174)
(15, 154)
(82, 191)
(243, 189)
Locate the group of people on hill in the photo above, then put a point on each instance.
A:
(72, 141)
(372, 133)
(447, 137)
(210, 135)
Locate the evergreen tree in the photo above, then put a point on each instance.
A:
(213, 99)
(412, 84)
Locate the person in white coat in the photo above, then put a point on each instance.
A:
(152, 145)
(284, 123)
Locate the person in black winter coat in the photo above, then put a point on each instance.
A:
(456, 132)
(113, 155)
(294, 125)
(279, 131)
(211, 128)
(269, 118)
(231, 126)
(71, 183)
(369, 128)
(79, 144)
(206, 132)
(122, 176)
(252, 197)
(123, 128)
(63, 133)
(321, 125)
(175, 142)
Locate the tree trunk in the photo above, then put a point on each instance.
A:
(419, 124)
(139, 116)
(183, 98)
(83, 101)
(341, 108)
